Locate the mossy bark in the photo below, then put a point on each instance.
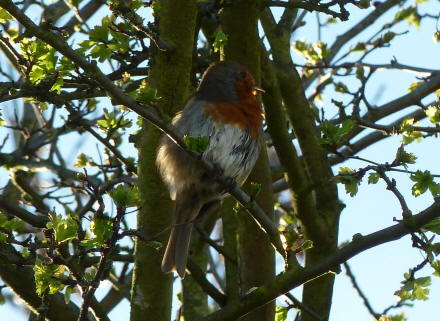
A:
(319, 215)
(256, 255)
(170, 74)
(195, 299)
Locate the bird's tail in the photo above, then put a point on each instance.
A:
(176, 253)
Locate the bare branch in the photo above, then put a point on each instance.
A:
(313, 6)
(359, 291)
(291, 279)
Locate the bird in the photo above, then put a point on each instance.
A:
(225, 109)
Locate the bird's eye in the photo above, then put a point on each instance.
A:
(243, 74)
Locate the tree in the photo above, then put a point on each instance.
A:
(70, 87)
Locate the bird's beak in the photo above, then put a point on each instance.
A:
(256, 90)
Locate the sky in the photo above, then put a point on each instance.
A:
(380, 270)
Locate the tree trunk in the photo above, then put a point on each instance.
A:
(151, 288)
(256, 255)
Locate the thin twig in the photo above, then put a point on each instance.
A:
(360, 292)
(298, 304)
(391, 185)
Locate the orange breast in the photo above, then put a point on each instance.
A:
(247, 115)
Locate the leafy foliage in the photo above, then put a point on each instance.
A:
(348, 177)
(196, 144)
(408, 129)
(125, 196)
(333, 135)
(64, 229)
(101, 230)
(145, 94)
(48, 276)
(414, 289)
(220, 40)
(424, 181)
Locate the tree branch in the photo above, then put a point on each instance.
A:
(11, 208)
(353, 32)
(199, 276)
(293, 278)
(313, 6)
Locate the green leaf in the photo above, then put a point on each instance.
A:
(4, 16)
(414, 19)
(387, 37)
(346, 126)
(196, 144)
(113, 121)
(433, 226)
(42, 57)
(82, 160)
(409, 132)
(90, 273)
(37, 74)
(3, 237)
(331, 20)
(360, 73)
(89, 244)
(424, 181)
(155, 6)
(3, 219)
(281, 313)
(14, 224)
(397, 317)
(68, 293)
(255, 189)
(414, 85)
(436, 36)
(25, 253)
(220, 39)
(323, 50)
(101, 52)
(64, 229)
(47, 275)
(155, 245)
(308, 244)
(433, 113)
(2, 122)
(420, 293)
(348, 177)
(414, 289)
(145, 94)
(403, 157)
(101, 229)
(99, 33)
(290, 232)
(404, 13)
(373, 178)
(85, 45)
(364, 4)
(334, 135)
(360, 46)
(66, 64)
(57, 85)
(125, 196)
(436, 266)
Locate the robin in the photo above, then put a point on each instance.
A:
(225, 109)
